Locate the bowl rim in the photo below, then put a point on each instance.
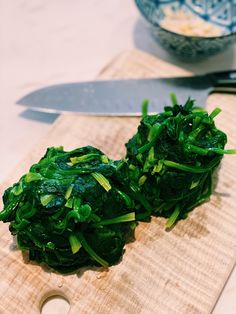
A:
(194, 37)
(157, 25)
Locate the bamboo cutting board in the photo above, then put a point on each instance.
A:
(182, 271)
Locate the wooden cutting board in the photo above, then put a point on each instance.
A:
(182, 271)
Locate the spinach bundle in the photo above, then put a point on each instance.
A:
(172, 157)
(68, 210)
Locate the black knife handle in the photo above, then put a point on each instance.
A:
(223, 82)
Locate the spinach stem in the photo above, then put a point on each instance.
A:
(205, 151)
(74, 243)
(101, 180)
(215, 112)
(145, 108)
(192, 169)
(174, 216)
(124, 218)
(91, 252)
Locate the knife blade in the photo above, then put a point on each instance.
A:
(124, 97)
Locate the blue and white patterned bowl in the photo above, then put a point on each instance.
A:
(221, 13)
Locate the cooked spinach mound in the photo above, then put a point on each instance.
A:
(172, 157)
(68, 210)
(79, 208)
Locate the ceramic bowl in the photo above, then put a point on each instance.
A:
(217, 12)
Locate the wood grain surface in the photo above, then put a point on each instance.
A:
(182, 271)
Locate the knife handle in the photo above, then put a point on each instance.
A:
(223, 82)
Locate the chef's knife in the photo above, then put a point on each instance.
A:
(124, 97)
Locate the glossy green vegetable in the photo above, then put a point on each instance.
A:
(68, 210)
(172, 157)
(79, 208)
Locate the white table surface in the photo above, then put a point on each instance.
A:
(45, 42)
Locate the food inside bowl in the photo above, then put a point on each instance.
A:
(186, 23)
